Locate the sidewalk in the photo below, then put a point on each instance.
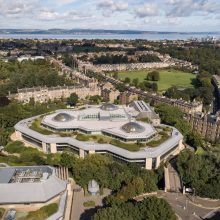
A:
(203, 202)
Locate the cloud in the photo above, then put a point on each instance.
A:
(115, 14)
(18, 8)
(73, 15)
(48, 15)
(113, 5)
(148, 9)
(192, 7)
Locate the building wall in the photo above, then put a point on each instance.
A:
(150, 163)
(210, 131)
(44, 94)
(127, 97)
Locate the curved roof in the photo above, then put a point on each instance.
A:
(109, 107)
(62, 117)
(132, 127)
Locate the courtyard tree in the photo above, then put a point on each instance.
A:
(73, 99)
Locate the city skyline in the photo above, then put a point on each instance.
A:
(159, 15)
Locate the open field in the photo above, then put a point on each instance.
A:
(168, 78)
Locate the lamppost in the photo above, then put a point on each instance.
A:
(194, 194)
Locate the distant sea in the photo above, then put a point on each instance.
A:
(149, 36)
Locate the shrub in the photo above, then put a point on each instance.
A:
(43, 212)
(2, 211)
(82, 137)
(15, 147)
(89, 203)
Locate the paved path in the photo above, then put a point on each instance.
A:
(174, 179)
(79, 212)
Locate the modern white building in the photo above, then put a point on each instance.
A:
(117, 122)
(29, 185)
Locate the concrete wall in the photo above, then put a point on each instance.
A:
(148, 163)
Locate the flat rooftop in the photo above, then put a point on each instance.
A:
(95, 119)
(37, 184)
(24, 174)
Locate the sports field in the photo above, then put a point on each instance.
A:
(168, 78)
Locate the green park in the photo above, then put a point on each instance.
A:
(168, 78)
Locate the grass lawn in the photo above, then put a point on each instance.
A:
(163, 137)
(200, 151)
(36, 127)
(96, 138)
(42, 213)
(2, 211)
(18, 147)
(168, 78)
(127, 146)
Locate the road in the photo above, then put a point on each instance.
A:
(175, 182)
(183, 207)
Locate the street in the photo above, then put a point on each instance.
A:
(184, 207)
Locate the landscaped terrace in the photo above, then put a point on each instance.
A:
(163, 134)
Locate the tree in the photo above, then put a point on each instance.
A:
(195, 140)
(95, 99)
(115, 75)
(73, 99)
(153, 76)
(135, 82)
(154, 87)
(200, 171)
(116, 213)
(67, 160)
(127, 80)
(153, 208)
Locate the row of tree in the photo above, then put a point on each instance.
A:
(203, 90)
(145, 85)
(14, 112)
(151, 208)
(14, 75)
(110, 174)
(207, 57)
(174, 116)
(123, 59)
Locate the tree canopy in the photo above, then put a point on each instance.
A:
(153, 76)
(14, 75)
(151, 208)
(174, 116)
(73, 99)
(201, 172)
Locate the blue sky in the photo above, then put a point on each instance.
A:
(151, 15)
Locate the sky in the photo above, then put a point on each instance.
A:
(149, 15)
